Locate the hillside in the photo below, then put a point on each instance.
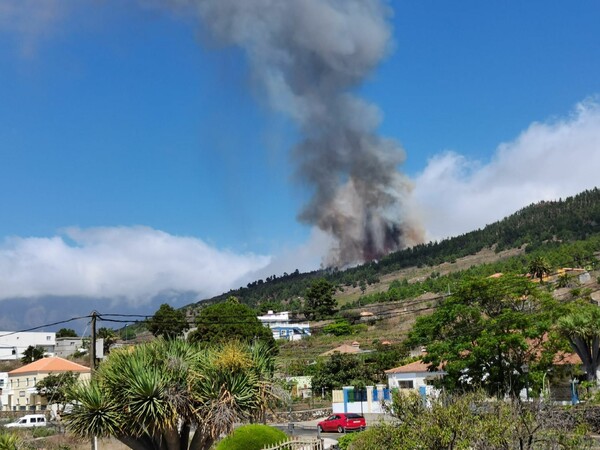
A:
(532, 228)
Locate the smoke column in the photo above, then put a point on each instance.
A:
(308, 56)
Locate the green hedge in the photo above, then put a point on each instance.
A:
(252, 437)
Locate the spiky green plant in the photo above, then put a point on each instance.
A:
(152, 396)
(582, 328)
(9, 441)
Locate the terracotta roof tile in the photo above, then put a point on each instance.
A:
(344, 348)
(417, 366)
(49, 365)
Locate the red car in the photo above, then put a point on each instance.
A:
(341, 422)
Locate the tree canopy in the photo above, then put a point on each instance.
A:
(319, 301)
(32, 354)
(56, 387)
(490, 333)
(581, 326)
(340, 370)
(167, 322)
(539, 267)
(109, 337)
(66, 332)
(173, 394)
(228, 321)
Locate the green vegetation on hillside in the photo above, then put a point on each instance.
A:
(539, 226)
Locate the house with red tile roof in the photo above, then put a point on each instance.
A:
(21, 391)
(412, 376)
(352, 349)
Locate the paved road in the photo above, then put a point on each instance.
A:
(308, 430)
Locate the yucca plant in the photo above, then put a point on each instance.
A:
(9, 441)
(581, 326)
(153, 395)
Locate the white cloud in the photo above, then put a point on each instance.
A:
(131, 263)
(31, 20)
(305, 257)
(546, 161)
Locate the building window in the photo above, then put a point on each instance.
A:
(27, 382)
(405, 384)
(48, 338)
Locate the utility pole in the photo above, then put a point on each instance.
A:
(93, 362)
(93, 342)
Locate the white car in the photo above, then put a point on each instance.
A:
(30, 420)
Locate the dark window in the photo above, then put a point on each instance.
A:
(405, 384)
(353, 416)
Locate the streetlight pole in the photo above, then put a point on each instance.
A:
(525, 369)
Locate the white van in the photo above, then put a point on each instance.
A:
(30, 420)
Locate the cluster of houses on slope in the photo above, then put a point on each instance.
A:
(13, 344)
(19, 392)
(283, 327)
(17, 387)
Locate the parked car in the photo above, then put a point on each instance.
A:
(341, 422)
(30, 420)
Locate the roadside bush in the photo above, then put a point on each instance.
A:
(473, 422)
(252, 437)
(43, 432)
(345, 441)
(9, 441)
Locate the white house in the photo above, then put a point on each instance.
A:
(282, 327)
(21, 391)
(412, 376)
(301, 386)
(66, 346)
(3, 390)
(13, 344)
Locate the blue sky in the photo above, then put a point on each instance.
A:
(124, 122)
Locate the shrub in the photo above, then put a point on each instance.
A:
(338, 328)
(9, 441)
(252, 437)
(345, 441)
(39, 432)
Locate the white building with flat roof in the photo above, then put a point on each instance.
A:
(13, 344)
(283, 328)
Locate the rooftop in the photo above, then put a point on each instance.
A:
(48, 365)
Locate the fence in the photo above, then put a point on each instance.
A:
(351, 400)
(298, 444)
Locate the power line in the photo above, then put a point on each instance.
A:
(46, 325)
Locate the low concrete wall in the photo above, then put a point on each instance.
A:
(298, 416)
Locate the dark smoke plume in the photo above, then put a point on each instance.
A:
(308, 56)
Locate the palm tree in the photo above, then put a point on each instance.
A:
(582, 328)
(538, 267)
(152, 396)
